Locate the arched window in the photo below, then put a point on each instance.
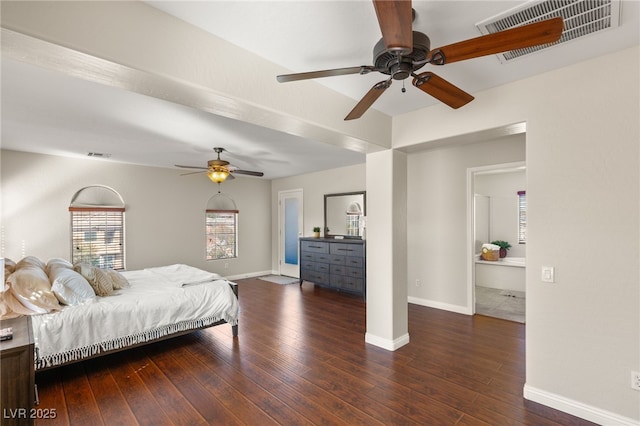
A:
(97, 227)
(221, 225)
(354, 213)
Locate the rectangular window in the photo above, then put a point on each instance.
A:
(522, 217)
(353, 224)
(97, 236)
(222, 234)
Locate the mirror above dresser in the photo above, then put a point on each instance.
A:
(344, 215)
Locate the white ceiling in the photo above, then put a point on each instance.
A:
(49, 112)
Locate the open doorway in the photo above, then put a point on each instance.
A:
(498, 286)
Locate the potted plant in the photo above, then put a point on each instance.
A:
(316, 231)
(504, 246)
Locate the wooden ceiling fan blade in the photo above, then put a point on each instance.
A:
(193, 173)
(190, 167)
(247, 172)
(365, 103)
(543, 32)
(395, 19)
(442, 90)
(324, 73)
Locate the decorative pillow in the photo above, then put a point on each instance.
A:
(9, 267)
(10, 307)
(56, 263)
(118, 280)
(30, 261)
(31, 286)
(70, 287)
(98, 279)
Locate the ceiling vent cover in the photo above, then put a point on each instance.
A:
(581, 17)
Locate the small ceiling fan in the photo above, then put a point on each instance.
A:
(220, 170)
(402, 51)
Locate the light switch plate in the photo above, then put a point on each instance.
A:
(548, 274)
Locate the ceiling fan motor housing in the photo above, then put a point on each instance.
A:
(217, 163)
(401, 67)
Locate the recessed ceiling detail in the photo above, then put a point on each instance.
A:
(581, 18)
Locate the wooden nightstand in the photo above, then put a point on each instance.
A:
(17, 387)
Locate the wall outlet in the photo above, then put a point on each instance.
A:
(418, 283)
(635, 380)
(226, 265)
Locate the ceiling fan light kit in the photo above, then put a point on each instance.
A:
(402, 51)
(217, 175)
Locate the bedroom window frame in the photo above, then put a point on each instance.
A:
(106, 246)
(522, 217)
(222, 244)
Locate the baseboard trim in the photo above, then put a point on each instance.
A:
(579, 409)
(390, 345)
(440, 305)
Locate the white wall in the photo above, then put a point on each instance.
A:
(437, 217)
(582, 183)
(314, 186)
(164, 218)
(583, 192)
(502, 188)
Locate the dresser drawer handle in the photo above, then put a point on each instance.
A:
(342, 249)
(315, 246)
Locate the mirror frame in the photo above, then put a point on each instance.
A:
(327, 234)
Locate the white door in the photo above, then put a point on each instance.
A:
(290, 229)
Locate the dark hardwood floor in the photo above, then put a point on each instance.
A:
(300, 358)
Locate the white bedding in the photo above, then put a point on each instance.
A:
(157, 303)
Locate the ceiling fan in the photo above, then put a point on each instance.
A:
(402, 51)
(220, 170)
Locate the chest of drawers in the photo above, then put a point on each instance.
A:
(337, 264)
(17, 385)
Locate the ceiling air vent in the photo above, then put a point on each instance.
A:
(98, 155)
(581, 17)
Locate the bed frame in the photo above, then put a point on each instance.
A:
(234, 330)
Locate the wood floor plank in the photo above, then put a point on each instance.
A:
(173, 403)
(140, 399)
(82, 407)
(51, 396)
(182, 370)
(300, 358)
(111, 403)
(250, 367)
(246, 400)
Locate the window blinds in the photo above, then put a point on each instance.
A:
(97, 236)
(221, 232)
(522, 217)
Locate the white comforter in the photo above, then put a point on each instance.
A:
(159, 302)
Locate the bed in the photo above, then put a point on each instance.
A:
(149, 305)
